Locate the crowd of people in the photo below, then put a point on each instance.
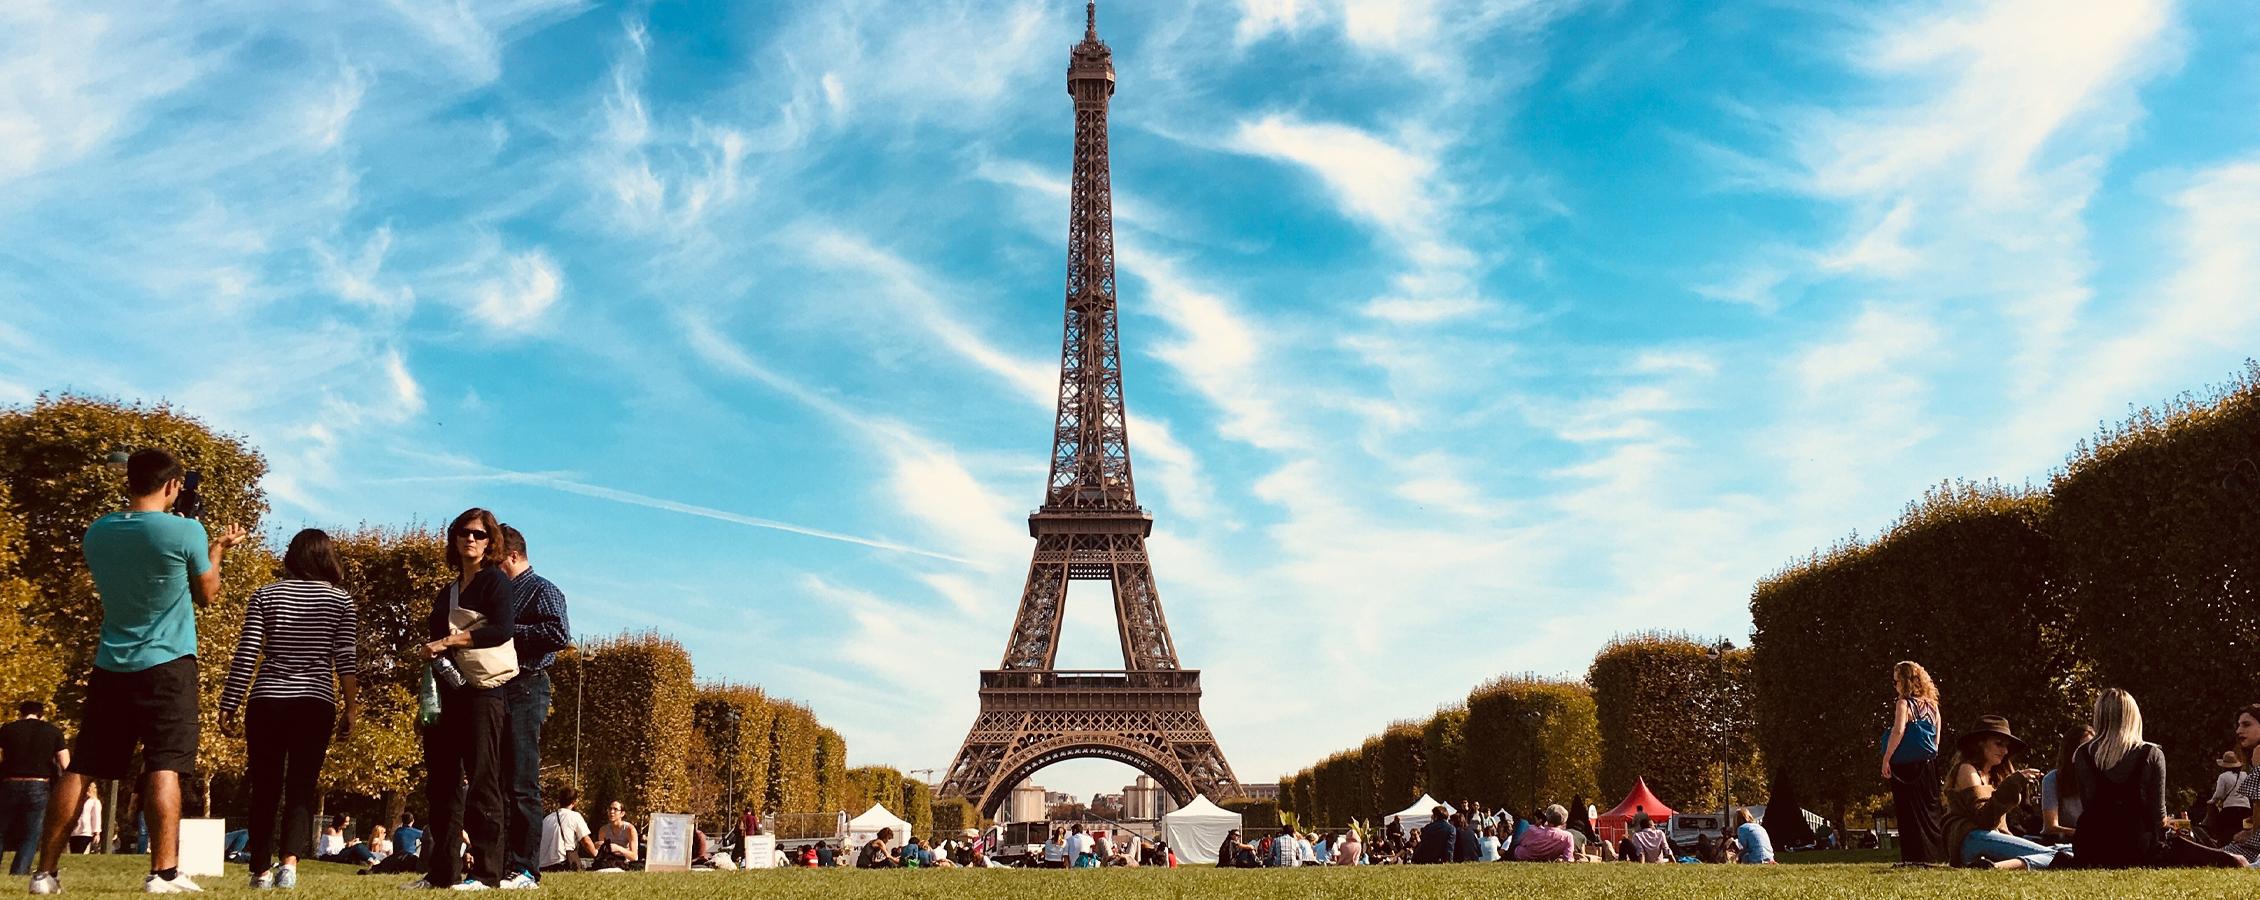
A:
(495, 628)
(1475, 835)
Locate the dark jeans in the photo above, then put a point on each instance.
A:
(525, 702)
(284, 743)
(463, 756)
(23, 807)
(1914, 803)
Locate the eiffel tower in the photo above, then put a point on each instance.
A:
(1147, 715)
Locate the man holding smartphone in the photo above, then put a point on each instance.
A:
(151, 569)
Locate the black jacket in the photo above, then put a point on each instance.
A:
(1468, 847)
(1437, 838)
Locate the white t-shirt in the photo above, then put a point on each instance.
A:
(561, 832)
(1077, 845)
(2224, 790)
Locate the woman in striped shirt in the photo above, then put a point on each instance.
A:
(294, 659)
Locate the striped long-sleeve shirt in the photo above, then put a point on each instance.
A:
(298, 636)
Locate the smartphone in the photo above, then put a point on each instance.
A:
(190, 504)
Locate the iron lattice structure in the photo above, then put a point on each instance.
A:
(1090, 527)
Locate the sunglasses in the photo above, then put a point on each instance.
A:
(476, 534)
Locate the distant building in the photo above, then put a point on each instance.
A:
(1028, 803)
(1260, 791)
(1111, 802)
(1146, 800)
(1060, 798)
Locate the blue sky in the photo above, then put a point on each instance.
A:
(1458, 336)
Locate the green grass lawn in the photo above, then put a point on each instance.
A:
(99, 876)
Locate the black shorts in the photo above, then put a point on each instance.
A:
(154, 709)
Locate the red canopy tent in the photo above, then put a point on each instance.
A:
(1613, 824)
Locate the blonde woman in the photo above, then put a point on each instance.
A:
(1910, 764)
(2122, 784)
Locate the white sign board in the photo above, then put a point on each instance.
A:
(761, 851)
(670, 843)
(203, 849)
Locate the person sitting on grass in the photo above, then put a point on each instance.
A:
(1465, 845)
(875, 854)
(616, 840)
(2122, 783)
(2060, 788)
(1236, 853)
(1705, 851)
(1348, 850)
(1753, 845)
(1437, 838)
(565, 838)
(1983, 787)
(1648, 843)
(1055, 850)
(1548, 841)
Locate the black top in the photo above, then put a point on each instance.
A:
(28, 748)
(488, 595)
(1469, 848)
(873, 856)
(1436, 841)
(2122, 808)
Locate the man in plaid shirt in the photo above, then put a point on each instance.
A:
(541, 630)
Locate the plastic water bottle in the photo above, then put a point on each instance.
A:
(445, 671)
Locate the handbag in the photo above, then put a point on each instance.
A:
(1919, 743)
(483, 667)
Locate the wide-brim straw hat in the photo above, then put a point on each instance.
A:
(1994, 726)
(2229, 760)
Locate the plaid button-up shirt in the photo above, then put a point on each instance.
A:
(542, 628)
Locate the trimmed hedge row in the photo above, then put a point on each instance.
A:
(637, 733)
(1518, 741)
(2136, 569)
(1669, 712)
(2154, 529)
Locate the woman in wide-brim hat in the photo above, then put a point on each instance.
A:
(1982, 787)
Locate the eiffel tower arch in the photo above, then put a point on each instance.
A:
(1146, 715)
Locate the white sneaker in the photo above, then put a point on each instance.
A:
(520, 881)
(470, 884)
(46, 883)
(178, 884)
(420, 884)
(263, 880)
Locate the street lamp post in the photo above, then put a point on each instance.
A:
(1718, 653)
(580, 686)
(730, 764)
(1537, 719)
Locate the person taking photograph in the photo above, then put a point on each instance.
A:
(151, 570)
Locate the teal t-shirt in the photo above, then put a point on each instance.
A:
(142, 562)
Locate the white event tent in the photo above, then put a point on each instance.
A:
(1197, 829)
(861, 829)
(1417, 815)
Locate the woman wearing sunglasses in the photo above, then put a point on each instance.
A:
(465, 746)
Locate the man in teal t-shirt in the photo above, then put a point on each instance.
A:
(142, 564)
(152, 569)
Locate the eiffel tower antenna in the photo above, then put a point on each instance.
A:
(1090, 527)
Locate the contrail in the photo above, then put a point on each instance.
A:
(689, 509)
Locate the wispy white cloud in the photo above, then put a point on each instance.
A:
(523, 291)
